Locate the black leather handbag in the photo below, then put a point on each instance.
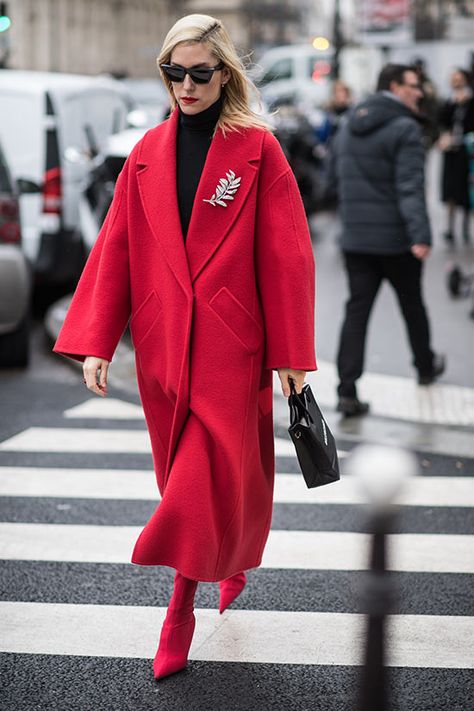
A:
(314, 443)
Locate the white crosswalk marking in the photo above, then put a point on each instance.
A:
(108, 408)
(241, 635)
(289, 488)
(63, 439)
(304, 550)
(80, 439)
(78, 483)
(290, 637)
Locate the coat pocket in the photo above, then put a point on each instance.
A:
(144, 319)
(237, 319)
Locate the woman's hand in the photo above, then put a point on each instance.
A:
(297, 375)
(95, 374)
(445, 141)
(420, 251)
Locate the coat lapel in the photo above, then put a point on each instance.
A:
(156, 175)
(209, 223)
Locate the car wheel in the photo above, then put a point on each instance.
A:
(14, 347)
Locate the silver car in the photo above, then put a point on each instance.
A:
(15, 277)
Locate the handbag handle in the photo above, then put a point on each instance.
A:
(297, 404)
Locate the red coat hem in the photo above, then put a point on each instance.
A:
(201, 579)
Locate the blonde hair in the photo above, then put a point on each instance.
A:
(195, 29)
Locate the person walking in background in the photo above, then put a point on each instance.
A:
(428, 105)
(339, 104)
(206, 246)
(332, 114)
(456, 119)
(379, 171)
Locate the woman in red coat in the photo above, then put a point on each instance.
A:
(206, 250)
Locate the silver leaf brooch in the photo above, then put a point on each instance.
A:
(226, 190)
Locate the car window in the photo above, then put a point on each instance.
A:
(5, 185)
(22, 134)
(282, 69)
(90, 117)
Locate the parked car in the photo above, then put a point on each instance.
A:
(294, 74)
(151, 101)
(50, 126)
(15, 277)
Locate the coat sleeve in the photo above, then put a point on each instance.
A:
(285, 267)
(410, 185)
(100, 308)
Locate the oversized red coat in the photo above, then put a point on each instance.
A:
(211, 317)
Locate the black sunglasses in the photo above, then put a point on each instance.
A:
(199, 75)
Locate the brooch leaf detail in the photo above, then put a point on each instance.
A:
(226, 190)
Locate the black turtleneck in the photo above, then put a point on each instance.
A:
(194, 139)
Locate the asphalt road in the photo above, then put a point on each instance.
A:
(80, 624)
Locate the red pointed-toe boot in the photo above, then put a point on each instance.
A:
(230, 589)
(178, 629)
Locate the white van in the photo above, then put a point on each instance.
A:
(97, 193)
(50, 125)
(295, 74)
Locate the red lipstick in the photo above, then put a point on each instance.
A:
(188, 100)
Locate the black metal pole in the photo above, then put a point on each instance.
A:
(377, 604)
(337, 40)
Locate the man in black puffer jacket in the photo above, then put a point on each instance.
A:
(379, 169)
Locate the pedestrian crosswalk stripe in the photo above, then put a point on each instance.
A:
(79, 483)
(418, 491)
(106, 408)
(63, 439)
(76, 439)
(304, 550)
(289, 488)
(250, 636)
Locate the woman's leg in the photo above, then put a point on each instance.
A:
(466, 226)
(451, 214)
(230, 589)
(178, 629)
(364, 276)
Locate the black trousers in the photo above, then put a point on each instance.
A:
(365, 274)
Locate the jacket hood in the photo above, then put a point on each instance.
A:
(375, 112)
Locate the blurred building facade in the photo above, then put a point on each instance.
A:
(124, 36)
(255, 24)
(436, 20)
(86, 36)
